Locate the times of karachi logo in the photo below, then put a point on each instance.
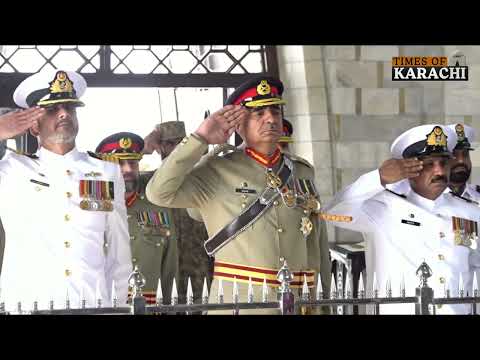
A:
(430, 68)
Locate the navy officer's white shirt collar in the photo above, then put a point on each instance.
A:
(51, 157)
(421, 201)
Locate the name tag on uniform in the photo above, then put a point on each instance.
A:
(39, 182)
(410, 222)
(97, 195)
(245, 191)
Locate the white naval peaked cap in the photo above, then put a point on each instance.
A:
(413, 142)
(49, 87)
(468, 137)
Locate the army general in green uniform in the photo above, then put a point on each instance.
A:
(153, 237)
(258, 203)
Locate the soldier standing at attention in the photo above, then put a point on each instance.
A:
(425, 223)
(258, 204)
(152, 232)
(60, 206)
(193, 262)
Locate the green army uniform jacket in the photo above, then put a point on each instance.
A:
(213, 185)
(153, 242)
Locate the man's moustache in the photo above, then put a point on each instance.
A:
(439, 179)
(460, 168)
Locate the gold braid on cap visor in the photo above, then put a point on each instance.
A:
(115, 158)
(265, 102)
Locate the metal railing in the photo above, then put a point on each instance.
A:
(424, 299)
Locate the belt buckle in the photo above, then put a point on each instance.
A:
(267, 196)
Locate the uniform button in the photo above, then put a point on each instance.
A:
(142, 197)
(280, 230)
(158, 244)
(167, 233)
(132, 237)
(37, 188)
(134, 259)
(184, 141)
(244, 196)
(67, 217)
(68, 272)
(244, 205)
(275, 203)
(69, 172)
(69, 194)
(244, 184)
(305, 211)
(442, 280)
(105, 245)
(129, 216)
(67, 244)
(441, 257)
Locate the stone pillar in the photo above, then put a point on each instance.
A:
(462, 100)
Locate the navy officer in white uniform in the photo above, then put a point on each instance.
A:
(60, 207)
(424, 224)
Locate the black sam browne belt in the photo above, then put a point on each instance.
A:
(250, 214)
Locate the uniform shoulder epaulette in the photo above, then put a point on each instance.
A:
(31, 156)
(299, 159)
(463, 198)
(94, 155)
(223, 149)
(18, 152)
(394, 193)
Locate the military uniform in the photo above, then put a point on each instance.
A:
(152, 231)
(193, 262)
(154, 248)
(188, 235)
(406, 229)
(222, 187)
(61, 209)
(53, 242)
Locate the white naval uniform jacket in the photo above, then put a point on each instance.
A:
(52, 244)
(404, 232)
(471, 193)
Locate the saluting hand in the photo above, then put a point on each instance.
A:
(394, 170)
(152, 142)
(219, 126)
(18, 122)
